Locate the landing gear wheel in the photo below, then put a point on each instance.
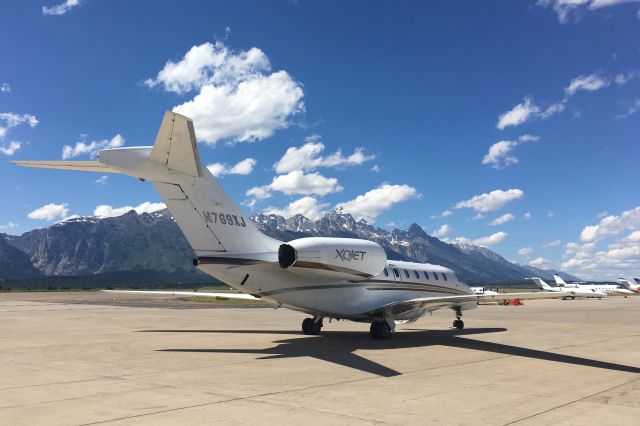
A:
(380, 330)
(459, 324)
(311, 326)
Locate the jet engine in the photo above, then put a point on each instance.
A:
(332, 258)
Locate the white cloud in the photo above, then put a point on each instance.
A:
(297, 182)
(238, 98)
(554, 243)
(499, 155)
(5, 88)
(552, 109)
(244, 167)
(102, 180)
(442, 231)
(442, 215)
(50, 212)
(589, 83)
(612, 225)
(82, 147)
(375, 168)
(10, 148)
(12, 120)
(8, 226)
(632, 108)
(527, 216)
(109, 211)
(492, 201)
(525, 251)
(625, 77)
(507, 217)
(306, 206)
(550, 214)
(540, 262)
(60, 9)
(369, 205)
(259, 192)
(566, 8)
(490, 240)
(309, 157)
(518, 114)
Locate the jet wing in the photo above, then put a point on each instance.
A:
(187, 293)
(399, 308)
(87, 166)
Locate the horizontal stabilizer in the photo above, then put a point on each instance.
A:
(87, 166)
(221, 295)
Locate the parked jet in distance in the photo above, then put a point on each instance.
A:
(569, 292)
(340, 278)
(482, 290)
(610, 289)
(635, 288)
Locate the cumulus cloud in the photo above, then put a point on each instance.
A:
(60, 9)
(554, 243)
(500, 153)
(83, 147)
(518, 114)
(306, 206)
(527, 216)
(10, 148)
(567, 8)
(309, 157)
(540, 262)
(588, 83)
(625, 77)
(5, 88)
(9, 120)
(50, 212)
(490, 240)
(492, 201)
(369, 205)
(612, 225)
(238, 98)
(244, 167)
(8, 226)
(442, 215)
(297, 182)
(507, 217)
(105, 210)
(525, 251)
(442, 231)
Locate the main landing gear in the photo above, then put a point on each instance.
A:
(380, 330)
(458, 323)
(312, 325)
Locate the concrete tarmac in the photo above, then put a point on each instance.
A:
(87, 358)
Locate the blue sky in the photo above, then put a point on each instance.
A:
(517, 120)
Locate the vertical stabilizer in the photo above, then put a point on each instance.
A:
(541, 284)
(559, 281)
(175, 146)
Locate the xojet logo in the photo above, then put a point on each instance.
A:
(349, 255)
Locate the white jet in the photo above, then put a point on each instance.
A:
(610, 289)
(569, 292)
(339, 278)
(633, 288)
(482, 290)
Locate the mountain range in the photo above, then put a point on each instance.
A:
(150, 246)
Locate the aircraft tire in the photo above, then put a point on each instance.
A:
(380, 330)
(307, 323)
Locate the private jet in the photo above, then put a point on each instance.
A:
(634, 288)
(333, 278)
(568, 292)
(610, 289)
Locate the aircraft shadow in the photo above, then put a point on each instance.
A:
(339, 347)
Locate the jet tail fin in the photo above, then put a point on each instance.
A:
(559, 281)
(541, 284)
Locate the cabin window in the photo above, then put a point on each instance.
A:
(416, 274)
(396, 273)
(444, 277)
(426, 275)
(406, 273)
(386, 273)
(435, 275)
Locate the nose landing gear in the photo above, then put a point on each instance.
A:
(458, 323)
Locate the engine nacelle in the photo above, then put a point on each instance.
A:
(332, 258)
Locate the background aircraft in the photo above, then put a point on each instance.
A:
(604, 288)
(338, 278)
(570, 292)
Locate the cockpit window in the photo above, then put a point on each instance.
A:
(386, 273)
(444, 276)
(426, 275)
(396, 273)
(406, 273)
